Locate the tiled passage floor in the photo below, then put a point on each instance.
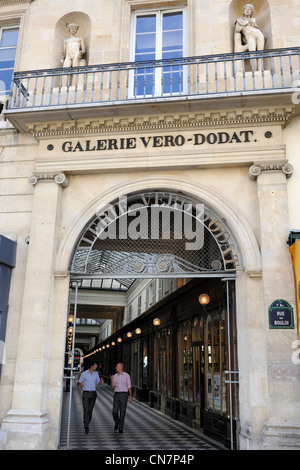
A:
(145, 428)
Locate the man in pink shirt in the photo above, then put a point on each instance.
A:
(122, 386)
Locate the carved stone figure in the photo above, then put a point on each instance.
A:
(247, 35)
(74, 48)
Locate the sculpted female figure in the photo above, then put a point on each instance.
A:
(248, 36)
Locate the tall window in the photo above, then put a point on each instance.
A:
(8, 47)
(158, 36)
(139, 309)
(129, 313)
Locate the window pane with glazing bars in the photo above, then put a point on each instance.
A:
(145, 50)
(172, 47)
(158, 36)
(8, 43)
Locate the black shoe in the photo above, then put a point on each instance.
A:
(87, 430)
(116, 427)
(121, 431)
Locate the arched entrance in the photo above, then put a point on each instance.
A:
(98, 254)
(166, 235)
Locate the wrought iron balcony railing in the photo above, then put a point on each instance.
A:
(244, 73)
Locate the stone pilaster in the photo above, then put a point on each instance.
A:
(26, 424)
(282, 427)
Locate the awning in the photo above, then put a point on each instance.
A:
(294, 250)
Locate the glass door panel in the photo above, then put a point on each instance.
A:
(172, 47)
(158, 36)
(145, 50)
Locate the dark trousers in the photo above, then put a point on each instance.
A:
(88, 401)
(119, 408)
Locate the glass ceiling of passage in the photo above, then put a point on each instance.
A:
(114, 285)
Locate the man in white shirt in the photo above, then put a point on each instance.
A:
(122, 386)
(88, 381)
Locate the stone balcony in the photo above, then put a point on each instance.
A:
(136, 88)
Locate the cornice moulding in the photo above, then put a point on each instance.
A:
(11, 2)
(168, 123)
(229, 158)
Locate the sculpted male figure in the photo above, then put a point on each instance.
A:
(248, 36)
(74, 48)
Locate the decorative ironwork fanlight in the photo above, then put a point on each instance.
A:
(154, 233)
